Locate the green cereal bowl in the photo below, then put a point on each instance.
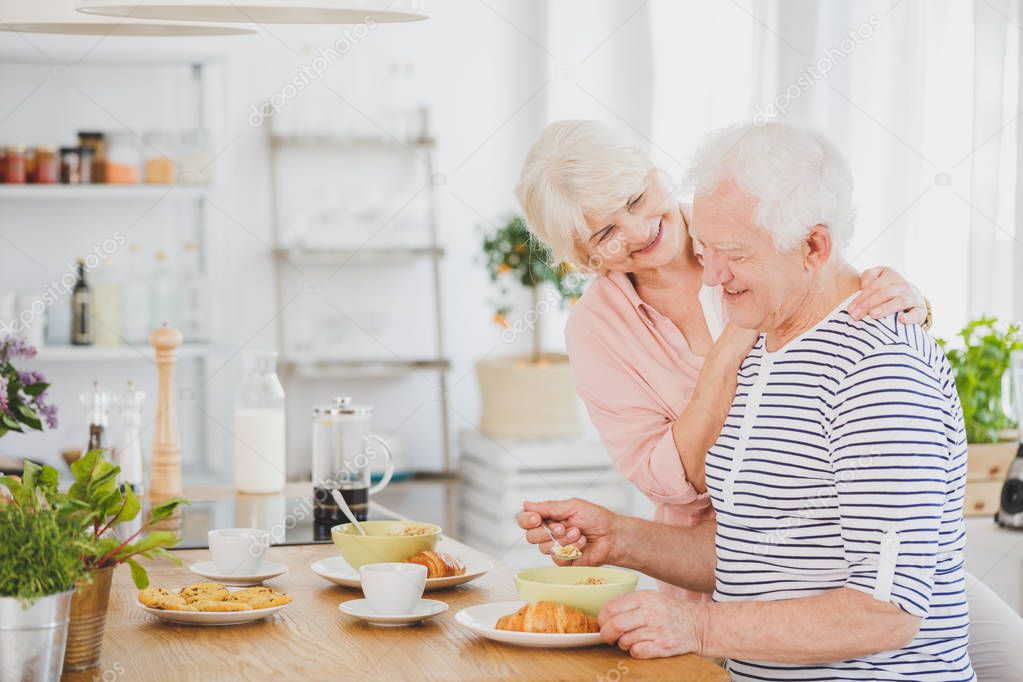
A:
(382, 542)
(557, 584)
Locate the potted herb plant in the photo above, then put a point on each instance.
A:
(40, 564)
(95, 504)
(979, 358)
(532, 395)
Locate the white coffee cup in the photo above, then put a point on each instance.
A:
(238, 551)
(393, 589)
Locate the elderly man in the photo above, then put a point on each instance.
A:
(838, 477)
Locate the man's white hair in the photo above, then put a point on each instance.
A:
(575, 169)
(797, 177)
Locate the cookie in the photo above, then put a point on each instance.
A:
(259, 597)
(203, 591)
(159, 598)
(221, 606)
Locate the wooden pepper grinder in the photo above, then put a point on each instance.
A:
(166, 446)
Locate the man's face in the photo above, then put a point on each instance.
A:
(760, 282)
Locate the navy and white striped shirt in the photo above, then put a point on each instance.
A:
(842, 463)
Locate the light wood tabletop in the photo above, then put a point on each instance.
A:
(311, 639)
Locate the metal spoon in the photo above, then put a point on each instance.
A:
(347, 510)
(558, 549)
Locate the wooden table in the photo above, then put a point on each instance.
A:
(311, 639)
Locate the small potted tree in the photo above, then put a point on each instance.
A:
(979, 358)
(527, 396)
(40, 564)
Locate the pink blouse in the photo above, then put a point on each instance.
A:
(635, 372)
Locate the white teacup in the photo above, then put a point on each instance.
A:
(393, 589)
(238, 551)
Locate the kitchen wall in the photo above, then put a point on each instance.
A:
(491, 74)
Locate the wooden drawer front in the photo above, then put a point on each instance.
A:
(987, 461)
(982, 498)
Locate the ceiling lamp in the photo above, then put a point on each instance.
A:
(261, 11)
(59, 16)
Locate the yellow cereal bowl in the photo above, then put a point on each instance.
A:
(559, 584)
(384, 541)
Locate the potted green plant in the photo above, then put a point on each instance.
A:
(533, 395)
(96, 505)
(108, 505)
(40, 564)
(979, 357)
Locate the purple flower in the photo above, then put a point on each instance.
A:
(16, 347)
(3, 393)
(31, 376)
(48, 412)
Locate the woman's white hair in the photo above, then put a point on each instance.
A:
(797, 177)
(575, 169)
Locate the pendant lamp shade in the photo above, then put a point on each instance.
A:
(261, 11)
(60, 17)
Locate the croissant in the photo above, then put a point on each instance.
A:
(438, 564)
(545, 616)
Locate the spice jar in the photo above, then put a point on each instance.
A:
(122, 162)
(97, 142)
(85, 164)
(159, 152)
(14, 165)
(45, 166)
(69, 166)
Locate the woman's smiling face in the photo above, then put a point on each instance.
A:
(646, 232)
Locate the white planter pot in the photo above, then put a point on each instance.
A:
(527, 400)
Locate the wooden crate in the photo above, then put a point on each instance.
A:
(986, 466)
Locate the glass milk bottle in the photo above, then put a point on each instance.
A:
(260, 465)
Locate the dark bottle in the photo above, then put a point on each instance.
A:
(81, 309)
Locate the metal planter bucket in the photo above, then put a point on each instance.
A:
(88, 620)
(32, 640)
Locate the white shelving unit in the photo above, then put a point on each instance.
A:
(300, 366)
(190, 202)
(114, 353)
(98, 192)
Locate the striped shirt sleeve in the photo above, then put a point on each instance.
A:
(890, 458)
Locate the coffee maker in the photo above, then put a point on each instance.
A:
(1010, 511)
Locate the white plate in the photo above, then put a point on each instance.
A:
(210, 617)
(208, 569)
(482, 619)
(337, 571)
(424, 609)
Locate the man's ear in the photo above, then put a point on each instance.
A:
(817, 248)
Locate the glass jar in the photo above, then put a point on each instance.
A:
(45, 167)
(14, 165)
(69, 166)
(159, 156)
(260, 460)
(123, 160)
(194, 163)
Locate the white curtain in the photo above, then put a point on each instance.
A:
(921, 95)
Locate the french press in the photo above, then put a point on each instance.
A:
(344, 452)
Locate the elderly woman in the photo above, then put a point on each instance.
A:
(641, 341)
(837, 548)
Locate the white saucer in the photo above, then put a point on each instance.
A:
(424, 609)
(481, 619)
(208, 569)
(337, 571)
